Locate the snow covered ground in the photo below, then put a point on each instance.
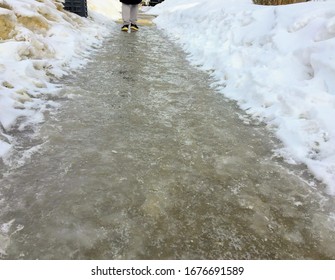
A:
(277, 62)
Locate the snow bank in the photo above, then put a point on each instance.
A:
(278, 62)
(40, 42)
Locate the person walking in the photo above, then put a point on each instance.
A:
(129, 14)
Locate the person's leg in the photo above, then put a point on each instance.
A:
(133, 13)
(126, 15)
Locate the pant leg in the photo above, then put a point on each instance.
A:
(126, 13)
(133, 13)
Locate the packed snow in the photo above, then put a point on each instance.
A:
(277, 62)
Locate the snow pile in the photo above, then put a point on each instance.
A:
(278, 62)
(40, 42)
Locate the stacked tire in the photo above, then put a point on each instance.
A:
(78, 7)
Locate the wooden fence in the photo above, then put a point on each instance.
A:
(277, 2)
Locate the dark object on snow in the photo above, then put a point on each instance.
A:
(155, 2)
(131, 2)
(78, 7)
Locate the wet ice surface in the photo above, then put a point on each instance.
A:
(146, 161)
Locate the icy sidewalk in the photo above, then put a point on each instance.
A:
(145, 161)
